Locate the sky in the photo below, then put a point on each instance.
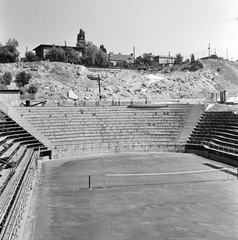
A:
(160, 27)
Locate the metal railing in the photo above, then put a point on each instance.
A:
(220, 148)
(117, 102)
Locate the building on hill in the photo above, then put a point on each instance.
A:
(165, 60)
(42, 49)
(120, 59)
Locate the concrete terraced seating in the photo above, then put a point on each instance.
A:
(87, 130)
(215, 132)
(5, 175)
(14, 140)
(13, 192)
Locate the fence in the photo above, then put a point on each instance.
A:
(97, 103)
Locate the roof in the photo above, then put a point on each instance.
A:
(121, 58)
(51, 45)
(204, 58)
(165, 57)
(9, 91)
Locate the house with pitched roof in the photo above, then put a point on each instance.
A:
(42, 49)
(120, 59)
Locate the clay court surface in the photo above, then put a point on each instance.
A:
(192, 206)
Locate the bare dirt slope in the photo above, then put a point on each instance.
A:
(55, 80)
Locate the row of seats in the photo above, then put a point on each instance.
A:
(14, 142)
(86, 127)
(215, 131)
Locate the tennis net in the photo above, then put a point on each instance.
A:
(130, 179)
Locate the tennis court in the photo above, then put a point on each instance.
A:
(191, 205)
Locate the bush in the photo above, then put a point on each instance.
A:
(32, 89)
(22, 79)
(192, 58)
(30, 57)
(214, 56)
(55, 54)
(178, 59)
(3, 87)
(6, 78)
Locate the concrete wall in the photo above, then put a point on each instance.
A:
(10, 97)
(70, 151)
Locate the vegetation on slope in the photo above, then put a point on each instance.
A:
(53, 80)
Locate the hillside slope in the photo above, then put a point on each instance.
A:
(55, 80)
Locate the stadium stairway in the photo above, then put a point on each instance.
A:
(93, 130)
(216, 136)
(194, 114)
(24, 123)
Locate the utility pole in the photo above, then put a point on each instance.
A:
(65, 60)
(99, 86)
(134, 53)
(209, 49)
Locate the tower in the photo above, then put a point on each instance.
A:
(81, 39)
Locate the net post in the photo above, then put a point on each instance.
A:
(89, 183)
(104, 182)
(228, 174)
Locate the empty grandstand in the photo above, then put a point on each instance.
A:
(30, 134)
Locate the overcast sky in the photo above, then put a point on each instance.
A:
(157, 26)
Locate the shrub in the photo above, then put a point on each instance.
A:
(55, 54)
(30, 57)
(3, 87)
(22, 79)
(192, 58)
(178, 59)
(32, 89)
(6, 78)
(214, 56)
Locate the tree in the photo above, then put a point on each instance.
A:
(90, 54)
(178, 59)
(32, 89)
(22, 79)
(55, 54)
(192, 58)
(6, 79)
(146, 59)
(30, 57)
(214, 56)
(101, 59)
(9, 52)
(103, 48)
(72, 56)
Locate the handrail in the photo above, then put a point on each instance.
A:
(219, 147)
(118, 102)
